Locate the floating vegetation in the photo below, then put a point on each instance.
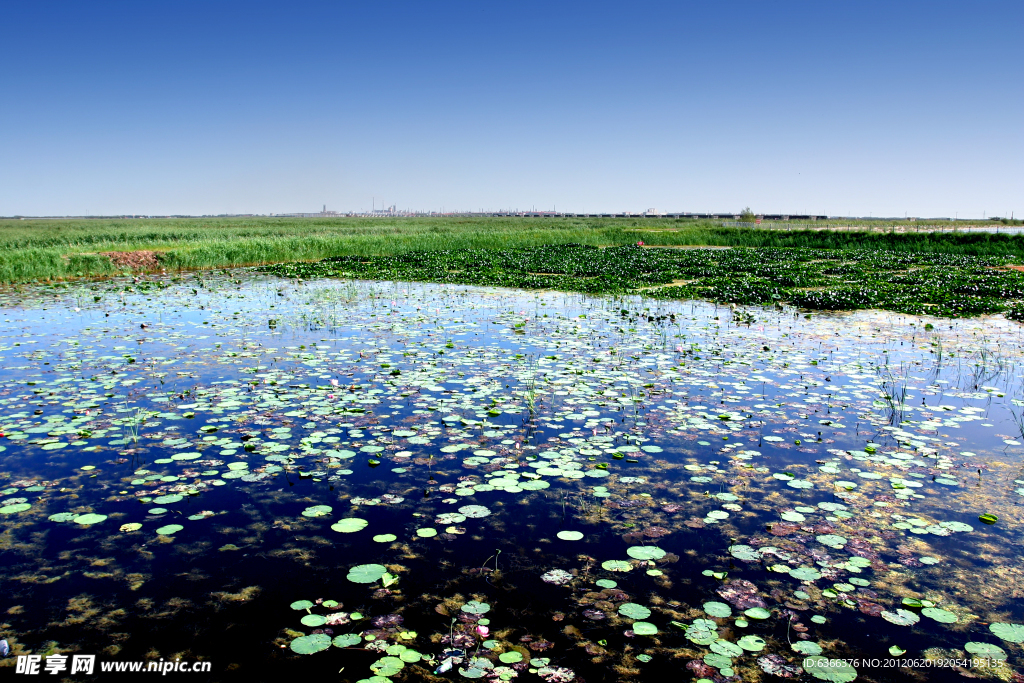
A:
(828, 279)
(552, 486)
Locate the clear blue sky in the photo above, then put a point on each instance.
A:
(222, 107)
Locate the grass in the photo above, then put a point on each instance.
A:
(32, 250)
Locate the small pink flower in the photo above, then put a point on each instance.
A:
(483, 631)
(679, 349)
(639, 244)
(330, 395)
(334, 382)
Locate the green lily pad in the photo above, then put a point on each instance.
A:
(645, 552)
(832, 540)
(169, 529)
(727, 648)
(510, 657)
(807, 647)
(89, 519)
(165, 500)
(307, 645)
(62, 517)
(717, 660)
(387, 666)
(317, 511)
(805, 573)
(474, 511)
(616, 566)
(570, 535)
(313, 620)
(475, 607)
(385, 538)
(347, 640)
(301, 604)
(901, 617)
(718, 609)
(757, 613)
(643, 628)
(940, 615)
(366, 573)
(17, 507)
(1011, 633)
(827, 669)
(632, 610)
(752, 643)
(985, 650)
(350, 525)
(701, 636)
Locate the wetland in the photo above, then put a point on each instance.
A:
(539, 464)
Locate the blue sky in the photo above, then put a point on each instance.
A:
(880, 108)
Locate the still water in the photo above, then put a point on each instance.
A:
(292, 478)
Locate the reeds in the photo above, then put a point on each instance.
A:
(61, 249)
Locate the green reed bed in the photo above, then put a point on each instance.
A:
(60, 249)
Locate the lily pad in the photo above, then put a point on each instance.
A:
(805, 573)
(1011, 633)
(901, 617)
(632, 610)
(645, 552)
(317, 511)
(474, 511)
(475, 607)
(366, 573)
(570, 535)
(727, 648)
(643, 628)
(347, 640)
(62, 517)
(307, 645)
(807, 647)
(827, 669)
(350, 525)
(940, 615)
(169, 529)
(752, 643)
(89, 519)
(985, 650)
(313, 620)
(616, 566)
(718, 609)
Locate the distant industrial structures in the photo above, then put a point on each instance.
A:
(394, 212)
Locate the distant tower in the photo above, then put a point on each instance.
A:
(325, 208)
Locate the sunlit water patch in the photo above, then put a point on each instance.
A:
(410, 481)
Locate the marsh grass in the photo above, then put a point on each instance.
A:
(61, 249)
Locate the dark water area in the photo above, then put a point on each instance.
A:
(389, 479)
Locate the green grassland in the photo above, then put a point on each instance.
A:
(41, 250)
